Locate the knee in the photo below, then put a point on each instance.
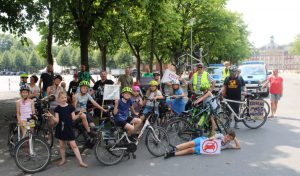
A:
(73, 145)
(83, 117)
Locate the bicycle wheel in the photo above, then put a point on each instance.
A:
(12, 138)
(107, 155)
(220, 126)
(252, 121)
(157, 146)
(47, 134)
(225, 119)
(179, 131)
(267, 107)
(38, 160)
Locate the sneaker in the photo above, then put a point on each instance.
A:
(169, 154)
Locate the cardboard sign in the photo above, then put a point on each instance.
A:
(256, 109)
(145, 80)
(111, 92)
(169, 76)
(210, 147)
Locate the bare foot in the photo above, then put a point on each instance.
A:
(83, 165)
(62, 162)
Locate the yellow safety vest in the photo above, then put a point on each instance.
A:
(204, 80)
(224, 74)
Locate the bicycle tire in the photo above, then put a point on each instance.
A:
(106, 156)
(45, 150)
(179, 131)
(225, 119)
(12, 138)
(267, 107)
(220, 126)
(161, 145)
(247, 118)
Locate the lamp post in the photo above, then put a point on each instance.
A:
(192, 21)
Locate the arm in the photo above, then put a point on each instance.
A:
(48, 90)
(56, 118)
(237, 144)
(74, 100)
(40, 83)
(115, 111)
(98, 106)
(133, 111)
(18, 111)
(32, 107)
(203, 97)
(223, 91)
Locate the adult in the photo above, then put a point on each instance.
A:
(46, 79)
(126, 80)
(73, 85)
(195, 69)
(232, 89)
(201, 77)
(148, 73)
(225, 71)
(34, 90)
(98, 90)
(54, 90)
(85, 75)
(276, 90)
(156, 77)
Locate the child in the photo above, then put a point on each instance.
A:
(25, 108)
(178, 104)
(55, 89)
(121, 112)
(153, 94)
(137, 101)
(80, 101)
(194, 146)
(206, 98)
(23, 79)
(64, 115)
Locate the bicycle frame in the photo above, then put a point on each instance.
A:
(225, 101)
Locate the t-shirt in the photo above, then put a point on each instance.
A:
(82, 101)
(234, 87)
(84, 76)
(123, 110)
(99, 88)
(275, 84)
(34, 89)
(136, 103)
(126, 81)
(224, 145)
(73, 87)
(148, 75)
(47, 80)
(151, 96)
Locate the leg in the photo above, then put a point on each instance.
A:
(62, 152)
(185, 152)
(275, 106)
(129, 128)
(77, 153)
(85, 122)
(272, 108)
(186, 145)
(137, 123)
(213, 125)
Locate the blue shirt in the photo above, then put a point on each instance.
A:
(123, 110)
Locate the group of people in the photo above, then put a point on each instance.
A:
(71, 104)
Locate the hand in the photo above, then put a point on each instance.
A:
(81, 111)
(136, 114)
(20, 123)
(49, 114)
(116, 103)
(105, 110)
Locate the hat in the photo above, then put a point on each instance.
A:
(199, 65)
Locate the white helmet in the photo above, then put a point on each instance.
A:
(175, 82)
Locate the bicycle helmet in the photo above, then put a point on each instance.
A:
(136, 88)
(153, 83)
(84, 83)
(233, 68)
(175, 81)
(57, 77)
(204, 87)
(127, 89)
(24, 75)
(156, 74)
(24, 87)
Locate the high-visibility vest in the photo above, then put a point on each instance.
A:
(225, 74)
(204, 80)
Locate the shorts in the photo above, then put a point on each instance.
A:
(275, 97)
(122, 123)
(89, 118)
(198, 144)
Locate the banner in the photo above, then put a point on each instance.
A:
(169, 76)
(256, 109)
(210, 147)
(111, 92)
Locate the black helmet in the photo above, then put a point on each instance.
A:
(24, 87)
(57, 77)
(233, 68)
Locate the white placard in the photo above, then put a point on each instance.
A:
(169, 76)
(210, 147)
(256, 109)
(111, 92)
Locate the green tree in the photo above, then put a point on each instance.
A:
(20, 61)
(64, 57)
(295, 48)
(7, 60)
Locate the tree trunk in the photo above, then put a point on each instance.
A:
(84, 45)
(138, 67)
(50, 35)
(151, 50)
(103, 52)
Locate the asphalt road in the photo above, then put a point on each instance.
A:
(271, 150)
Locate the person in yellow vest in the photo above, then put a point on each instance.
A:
(199, 78)
(225, 71)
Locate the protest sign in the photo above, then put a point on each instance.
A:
(169, 76)
(111, 92)
(256, 109)
(210, 147)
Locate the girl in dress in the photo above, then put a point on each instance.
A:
(64, 115)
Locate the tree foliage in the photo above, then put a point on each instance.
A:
(295, 48)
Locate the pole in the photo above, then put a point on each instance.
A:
(191, 44)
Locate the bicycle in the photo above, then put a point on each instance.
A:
(32, 153)
(245, 115)
(195, 123)
(111, 150)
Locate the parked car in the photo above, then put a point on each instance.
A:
(216, 72)
(255, 74)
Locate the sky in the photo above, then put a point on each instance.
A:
(280, 18)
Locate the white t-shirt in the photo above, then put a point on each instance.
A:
(151, 96)
(224, 145)
(34, 89)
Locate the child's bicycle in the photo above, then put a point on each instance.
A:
(110, 149)
(32, 153)
(196, 123)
